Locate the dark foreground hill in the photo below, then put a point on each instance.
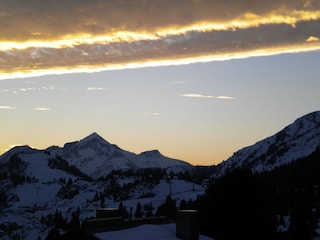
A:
(280, 204)
(270, 190)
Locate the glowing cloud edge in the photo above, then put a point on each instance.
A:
(309, 47)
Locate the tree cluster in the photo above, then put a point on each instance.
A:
(57, 222)
(13, 170)
(60, 163)
(68, 190)
(168, 208)
(142, 177)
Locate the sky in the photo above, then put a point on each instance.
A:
(195, 79)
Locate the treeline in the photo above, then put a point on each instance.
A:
(145, 179)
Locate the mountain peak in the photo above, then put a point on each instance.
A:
(93, 135)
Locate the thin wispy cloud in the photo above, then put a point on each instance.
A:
(7, 107)
(178, 82)
(224, 97)
(195, 95)
(95, 88)
(152, 113)
(36, 88)
(99, 35)
(25, 90)
(41, 109)
(4, 90)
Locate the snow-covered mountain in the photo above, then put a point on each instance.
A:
(96, 157)
(299, 139)
(41, 189)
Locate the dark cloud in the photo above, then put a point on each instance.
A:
(101, 33)
(54, 18)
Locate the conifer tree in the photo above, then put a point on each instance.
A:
(138, 213)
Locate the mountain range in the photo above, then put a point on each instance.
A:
(96, 157)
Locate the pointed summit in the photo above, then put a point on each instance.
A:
(93, 137)
(93, 142)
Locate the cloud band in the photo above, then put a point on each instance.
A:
(98, 35)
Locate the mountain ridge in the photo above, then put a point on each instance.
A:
(96, 157)
(299, 139)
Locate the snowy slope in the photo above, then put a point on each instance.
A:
(33, 201)
(295, 141)
(145, 232)
(96, 157)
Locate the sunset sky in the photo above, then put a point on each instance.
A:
(195, 79)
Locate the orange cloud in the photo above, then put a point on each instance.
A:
(312, 39)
